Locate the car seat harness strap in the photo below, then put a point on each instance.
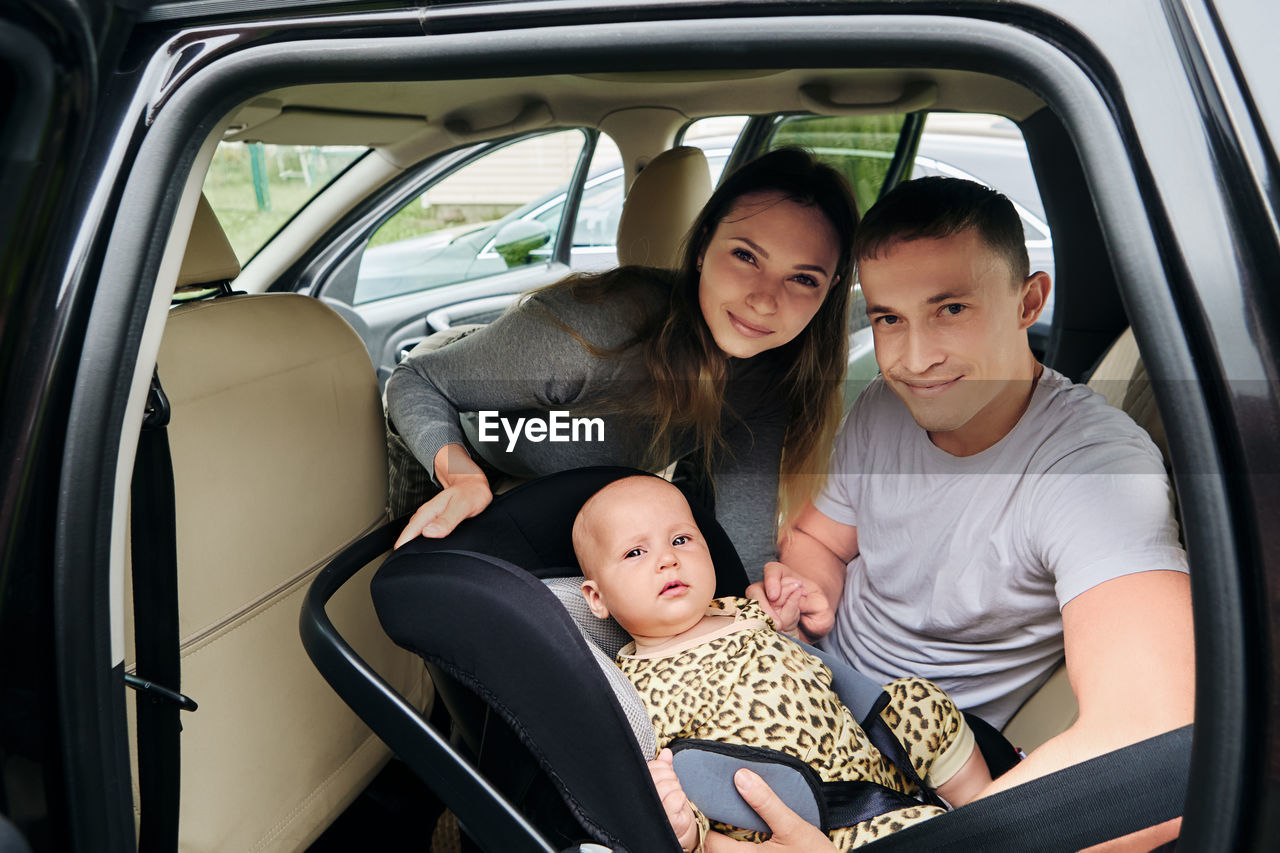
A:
(705, 769)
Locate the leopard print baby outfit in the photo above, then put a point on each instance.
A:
(752, 686)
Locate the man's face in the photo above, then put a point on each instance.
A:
(949, 321)
(648, 564)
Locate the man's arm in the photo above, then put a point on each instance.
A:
(816, 550)
(1131, 662)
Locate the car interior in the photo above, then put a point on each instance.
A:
(273, 375)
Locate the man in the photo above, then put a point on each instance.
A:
(984, 515)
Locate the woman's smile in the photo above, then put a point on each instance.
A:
(751, 330)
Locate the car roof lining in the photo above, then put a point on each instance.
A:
(418, 118)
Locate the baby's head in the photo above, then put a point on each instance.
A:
(644, 558)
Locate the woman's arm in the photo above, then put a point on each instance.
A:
(520, 361)
(746, 487)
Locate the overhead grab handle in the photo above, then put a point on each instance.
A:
(915, 96)
(467, 125)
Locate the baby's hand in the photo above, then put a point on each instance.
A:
(780, 595)
(674, 802)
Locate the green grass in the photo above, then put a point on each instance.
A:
(229, 188)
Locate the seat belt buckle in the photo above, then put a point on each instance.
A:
(157, 411)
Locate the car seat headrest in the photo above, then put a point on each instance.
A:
(604, 638)
(209, 258)
(661, 207)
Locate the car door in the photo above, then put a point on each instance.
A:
(50, 65)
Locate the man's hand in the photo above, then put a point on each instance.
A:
(797, 605)
(791, 834)
(674, 802)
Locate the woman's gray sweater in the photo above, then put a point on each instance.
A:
(525, 366)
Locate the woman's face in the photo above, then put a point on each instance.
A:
(764, 273)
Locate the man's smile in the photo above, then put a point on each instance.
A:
(929, 387)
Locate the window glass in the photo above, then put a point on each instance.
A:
(493, 214)
(859, 147)
(601, 204)
(713, 133)
(255, 188)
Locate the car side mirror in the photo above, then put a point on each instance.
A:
(516, 240)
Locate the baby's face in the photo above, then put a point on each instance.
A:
(644, 558)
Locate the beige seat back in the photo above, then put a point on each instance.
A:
(1122, 379)
(278, 463)
(660, 208)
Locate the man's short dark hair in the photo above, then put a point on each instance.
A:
(937, 207)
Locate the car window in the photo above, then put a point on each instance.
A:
(859, 147)
(255, 188)
(601, 205)
(712, 132)
(496, 213)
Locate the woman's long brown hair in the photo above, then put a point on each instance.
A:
(689, 371)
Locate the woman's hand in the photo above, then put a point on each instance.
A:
(466, 492)
(674, 802)
(791, 833)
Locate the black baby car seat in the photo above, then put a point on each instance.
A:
(553, 753)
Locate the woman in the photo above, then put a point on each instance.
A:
(730, 365)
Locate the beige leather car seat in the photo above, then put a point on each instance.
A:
(660, 208)
(1120, 377)
(278, 464)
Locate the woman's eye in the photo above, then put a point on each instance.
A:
(806, 280)
(744, 255)
(886, 320)
(680, 540)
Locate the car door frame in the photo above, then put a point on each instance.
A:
(1043, 50)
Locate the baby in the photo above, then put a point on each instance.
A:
(716, 669)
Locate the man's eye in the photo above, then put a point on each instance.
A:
(953, 309)
(680, 540)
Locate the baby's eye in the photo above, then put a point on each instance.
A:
(634, 552)
(680, 540)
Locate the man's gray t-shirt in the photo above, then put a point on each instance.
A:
(966, 562)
